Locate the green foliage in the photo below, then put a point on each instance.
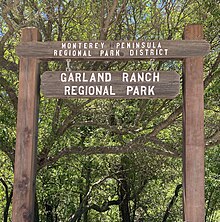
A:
(213, 184)
(6, 181)
(73, 182)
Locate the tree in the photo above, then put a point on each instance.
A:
(141, 182)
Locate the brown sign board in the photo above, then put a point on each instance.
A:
(114, 50)
(110, 84)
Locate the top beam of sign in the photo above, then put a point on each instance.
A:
(114, 50)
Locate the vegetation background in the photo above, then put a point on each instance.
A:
(76, 181)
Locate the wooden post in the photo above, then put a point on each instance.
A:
(26, 140)
(193, 127)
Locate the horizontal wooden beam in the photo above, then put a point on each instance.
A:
(110, 84)
(114, 50)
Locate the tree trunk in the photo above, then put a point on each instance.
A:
(36, 210)
(49, 212)
(8, 203)
(88, 181)
(124, 193)
(8, 198)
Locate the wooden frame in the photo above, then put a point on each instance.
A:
(31, 52)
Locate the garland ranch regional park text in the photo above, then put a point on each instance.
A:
(106, 77)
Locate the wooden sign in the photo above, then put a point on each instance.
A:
(109, 84)
(114, 50)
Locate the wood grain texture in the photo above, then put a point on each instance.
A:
(151, 84)
(26, 139)
(115, 50)
(193, 126)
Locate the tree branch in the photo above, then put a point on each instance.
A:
(80, 209)
(6, 188)
(213, 140)
(10, 91)
(213, 73)
(110, 15)
(105, 22)
(170, 205)
(167, 121)
(105, 206)
(105, 150)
